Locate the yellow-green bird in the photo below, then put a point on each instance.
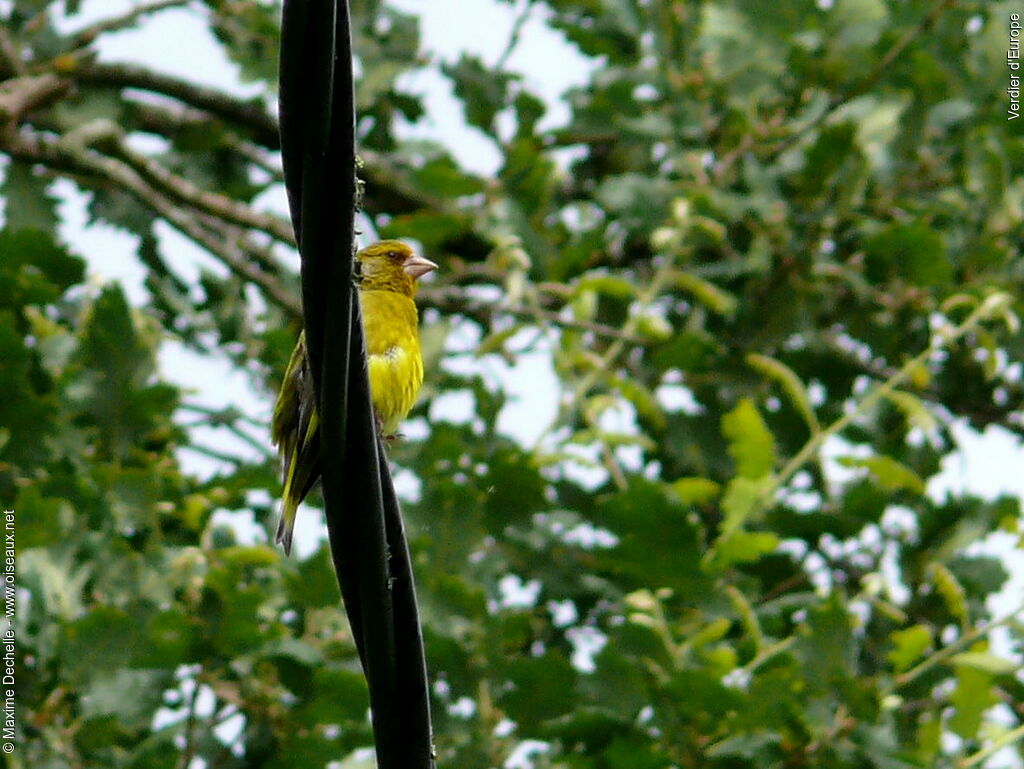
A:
(387, 275)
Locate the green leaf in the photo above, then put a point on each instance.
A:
(643, 400)
(495, 342)
(985, 662)
(915, 252)
(950, 589)
(57, 584)
(735, 55)
(828, 649)
(685, 351)
(335, 693)
(313, 583)
(791, 386)
(121, 399)
(738, 547)
(170, 636)
(972, 697)
(294, 650)
(638, 201)
(38, 518)
(695, 491)
(132, 696)
(659, 545)
(250, 33)
(34, 268)
(947, 114)
(929, 738)
(98, 644)
(743, 499)
(858, 23)
(979, 575)
(514, 487)
(909, 646)
(433, 230)
(753, 749)
(115, 207)
(827, 156)
(751, 444)
(440, 175)
(888, 473)
(28, 203)
(879, 122)
(482, 91)
(612, 33)
(607, 284)
(711, 296)
(914, 410)
(542, 689)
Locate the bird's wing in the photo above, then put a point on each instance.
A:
(295, 429)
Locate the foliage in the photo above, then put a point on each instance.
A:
(799, 220)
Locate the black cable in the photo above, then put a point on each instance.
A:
(364, 524)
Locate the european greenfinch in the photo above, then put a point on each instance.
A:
(386, 275)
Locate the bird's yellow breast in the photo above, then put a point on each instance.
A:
(390, 325)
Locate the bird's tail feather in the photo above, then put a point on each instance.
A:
(286, 527)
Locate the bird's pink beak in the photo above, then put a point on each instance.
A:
(418, 266)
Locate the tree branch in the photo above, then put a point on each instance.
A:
(220, 206)
(250, 114)
(73, 153)
(171, 122)
(513, 39)
(10, 56)
(24, 94)
(87, 35)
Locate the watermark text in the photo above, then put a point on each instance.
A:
(7, 645)
(1013, 63)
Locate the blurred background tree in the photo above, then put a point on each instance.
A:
(767, 264)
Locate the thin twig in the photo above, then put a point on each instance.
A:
(767, 653)
(220, 416)
(838, 101)
(1003, 741)
(940, 341)
(611, 464)
(235, 430)
(948, 651)
(227, 419)
(615, 349)
(513, 38)
(167, 119)
(220, 456)
(190, 725)
(262, 256)
(261, 158)
(10, 55)
(87, 35)
(403, 196)
(868, 81)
